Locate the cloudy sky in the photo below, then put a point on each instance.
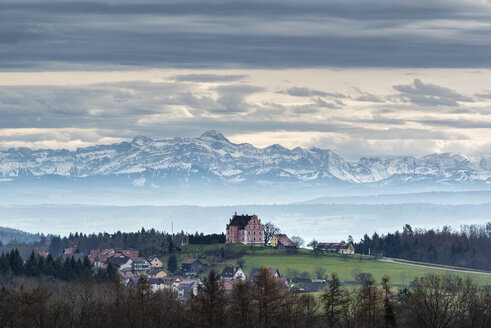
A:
(377, 77)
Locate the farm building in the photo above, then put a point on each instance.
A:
(191, 266)
(281, 241)
(341, 248)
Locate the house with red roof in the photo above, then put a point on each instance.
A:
(131, 253)
(281, 241)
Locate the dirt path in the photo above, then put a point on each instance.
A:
(436, 267)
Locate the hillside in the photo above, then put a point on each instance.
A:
(8, 234)
(347, 267)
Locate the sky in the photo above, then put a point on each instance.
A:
(363, 78)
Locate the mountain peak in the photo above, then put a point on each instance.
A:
(213, 134)
(141, 140)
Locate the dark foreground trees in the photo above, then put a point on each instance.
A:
(431, 301)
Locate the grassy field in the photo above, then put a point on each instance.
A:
(347, 267)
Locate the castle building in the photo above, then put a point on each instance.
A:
(245, 229)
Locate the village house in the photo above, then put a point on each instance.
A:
(43, 254)
(282, 242)
(121, 262)
(233, 273)
(191, 266)
(188, 288)
(122, 259)
(172, 282)
(155, 262)
(245, 229)
(157, 273)
(74, 252)
(341, 248)
(98, 261)
(157, 284)
(273, 272)
(131, 253)
(71, 250)
(140, 265)
(126, 276)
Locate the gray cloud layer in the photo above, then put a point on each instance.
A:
(74, 34)
(352, 122)
(429, 94)
(208, 78)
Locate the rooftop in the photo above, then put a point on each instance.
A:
(284, 240)
(240, 220)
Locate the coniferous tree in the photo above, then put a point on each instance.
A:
(31, 267)
(209, 305)
(368, 304)
(389, 315)
(172, 264)
(268, 296)
(240, 305)
(55, 246)
(16, 263)
(170, 248)
(335, 301)
(110, 272)
(4, 263)
(41, 263)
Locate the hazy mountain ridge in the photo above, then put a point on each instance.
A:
(211, 158)
(8, 234)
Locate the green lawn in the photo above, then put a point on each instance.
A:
(345, 266)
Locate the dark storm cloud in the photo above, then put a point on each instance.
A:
(48, 34)
(429, 94)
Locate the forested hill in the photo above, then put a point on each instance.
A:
(8, 234)
(470, 247)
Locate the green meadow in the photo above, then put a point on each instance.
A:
(346, 266)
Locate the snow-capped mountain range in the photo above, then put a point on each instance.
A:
(213, 158)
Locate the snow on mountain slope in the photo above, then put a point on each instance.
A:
(212, 157)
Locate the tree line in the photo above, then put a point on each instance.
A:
(148, 242)
(12, 265)
(200, 238)
(468, 247)
(430, 301)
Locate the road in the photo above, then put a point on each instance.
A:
(436, 267)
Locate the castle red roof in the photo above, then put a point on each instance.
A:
(240, 220)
